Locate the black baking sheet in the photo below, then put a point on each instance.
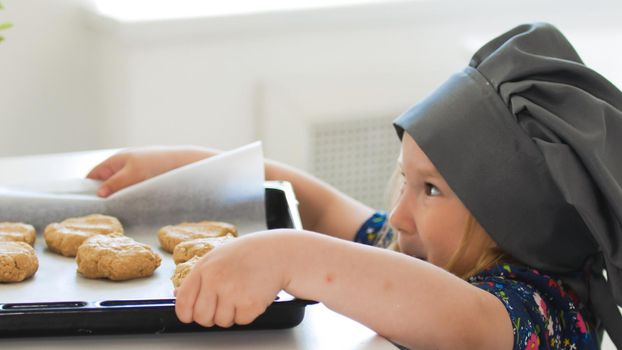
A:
(150, 315)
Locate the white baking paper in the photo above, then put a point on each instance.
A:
(227, 187)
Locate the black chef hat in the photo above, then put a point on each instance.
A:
(530, 140)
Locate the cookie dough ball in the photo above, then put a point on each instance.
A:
(184, 251)
(17, 232)
(17, 261)
(116, 257)
(171, 236)
(67, 236)
(182, 270)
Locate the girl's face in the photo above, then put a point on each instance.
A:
(430, 220)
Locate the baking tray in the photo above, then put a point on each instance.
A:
(84, 317)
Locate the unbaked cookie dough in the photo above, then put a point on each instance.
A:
(184, 251)
(17, 261)
(182, 270)
(67, 236)
(171, 236)
(116, 257)
(17, 232)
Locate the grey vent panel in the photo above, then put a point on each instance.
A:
(358, 157)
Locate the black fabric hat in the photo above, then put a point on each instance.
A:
(530, 140)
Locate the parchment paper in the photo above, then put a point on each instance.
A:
(228, 187)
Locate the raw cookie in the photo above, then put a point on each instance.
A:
(67, 236)
(184, 251)
(172, 235)
(182, 270)
(116, 257)
(17, 261)
(17, 232)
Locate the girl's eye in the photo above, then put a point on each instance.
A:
(431, 190)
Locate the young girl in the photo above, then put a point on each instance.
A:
(509, 211)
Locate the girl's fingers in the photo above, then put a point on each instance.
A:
(116, 182)
(187, 296)
(224, 316)
(100, 172)
(108, 167)
(204, 308)
(246, 315)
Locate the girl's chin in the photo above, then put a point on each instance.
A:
(416, 256)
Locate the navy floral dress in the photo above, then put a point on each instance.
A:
(544, 314)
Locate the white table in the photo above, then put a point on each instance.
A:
(320, 329)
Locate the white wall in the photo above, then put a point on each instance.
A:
(227, 81)
(48, 97)
(73, 81)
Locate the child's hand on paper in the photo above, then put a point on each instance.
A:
(236, 282)
(135, 165)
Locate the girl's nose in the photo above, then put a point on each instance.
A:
(401, 218)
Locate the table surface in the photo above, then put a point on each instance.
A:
(320, 329)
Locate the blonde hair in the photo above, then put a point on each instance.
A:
(474, 237)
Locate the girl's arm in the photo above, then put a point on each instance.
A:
(404, 299)
(322, 207)
(407, 300)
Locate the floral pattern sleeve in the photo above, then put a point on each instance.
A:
(375, 231)
(544, 314)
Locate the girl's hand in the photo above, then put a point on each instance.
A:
(236, 282)
(131, 166)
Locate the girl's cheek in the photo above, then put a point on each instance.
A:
(407, 245)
